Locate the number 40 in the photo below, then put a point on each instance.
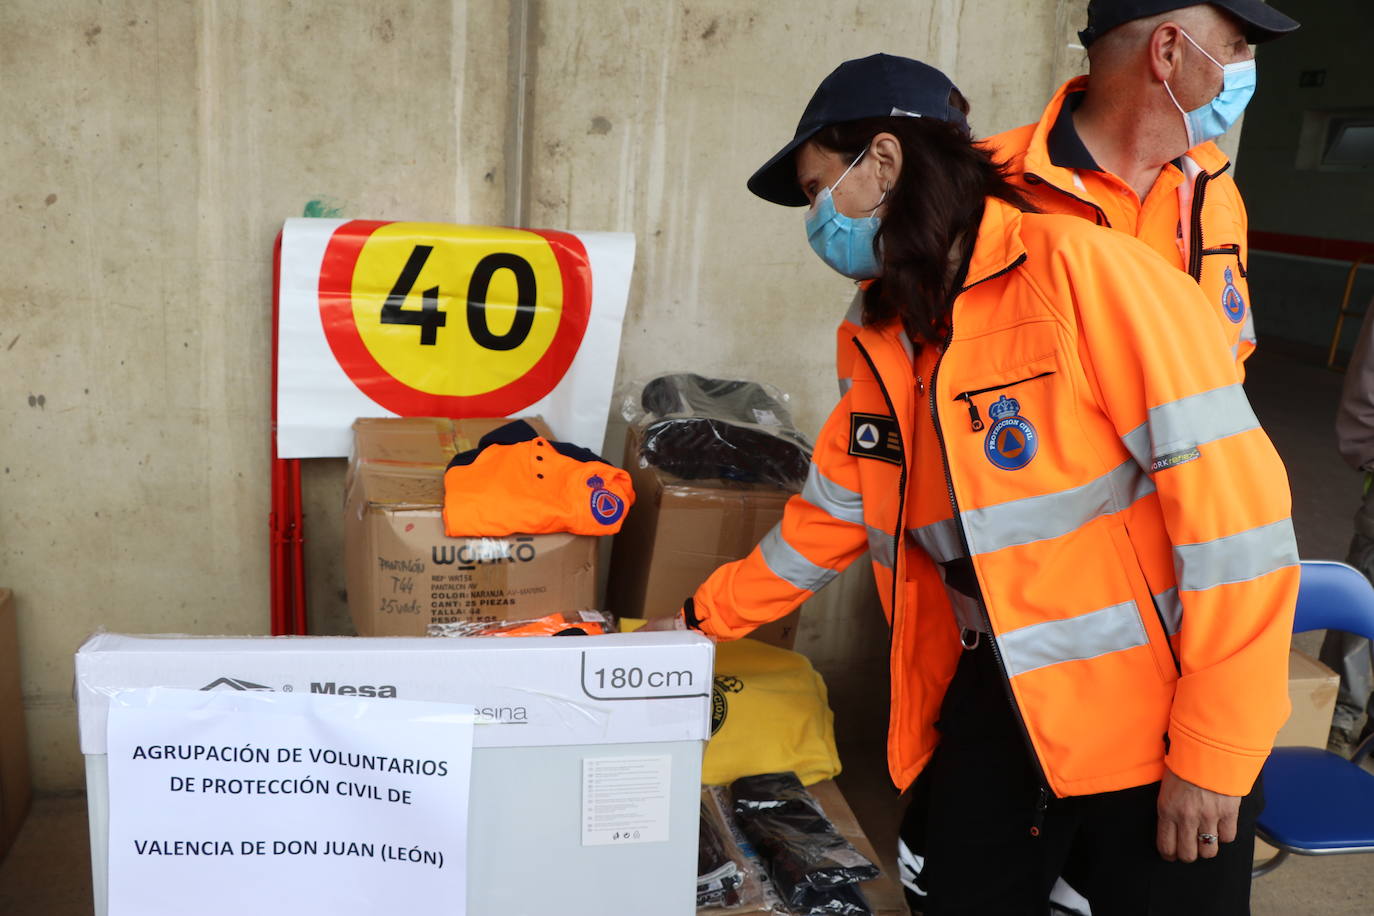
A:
(429, 319)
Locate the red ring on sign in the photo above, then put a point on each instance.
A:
(346, 341)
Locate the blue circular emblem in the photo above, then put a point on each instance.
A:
(1232, 302)
(1012, 441)
(607, 508)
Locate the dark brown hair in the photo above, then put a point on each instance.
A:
(935, 204)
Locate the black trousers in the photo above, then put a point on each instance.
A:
(981, 857)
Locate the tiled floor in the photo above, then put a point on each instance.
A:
(47, 873)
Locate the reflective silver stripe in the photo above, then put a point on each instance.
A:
(790, 566)
(1247, 330)
(940, 539)
(1171, 609)
(832, 499)
(1112, 629)
(1190, 422)
(855, 313)
(845, 385)
(966, 610)
(880, 547)
(1236, 558)
(1052, 515)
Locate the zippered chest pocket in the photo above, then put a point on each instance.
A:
(970, 398)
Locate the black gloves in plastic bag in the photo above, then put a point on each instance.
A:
(811, 864)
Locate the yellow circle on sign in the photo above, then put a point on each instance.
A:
(456, 310)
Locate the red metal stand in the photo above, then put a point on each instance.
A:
(286, 520)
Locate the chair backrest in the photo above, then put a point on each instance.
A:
(1334, 596)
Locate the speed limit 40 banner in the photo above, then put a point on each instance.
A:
(381, 319)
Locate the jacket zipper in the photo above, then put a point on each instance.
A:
(1231, 248)
(967, 397)
(1199, 195)
(1100, 214)
(1042, 797)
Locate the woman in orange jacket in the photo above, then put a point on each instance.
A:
(1089, 621)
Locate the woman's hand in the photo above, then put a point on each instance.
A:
(1189, 815)
(674, 622)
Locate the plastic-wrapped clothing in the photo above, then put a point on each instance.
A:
(718, 874)
(704, 428)
(801, 849)
(518, 482)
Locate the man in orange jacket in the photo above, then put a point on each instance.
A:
(1130, 145)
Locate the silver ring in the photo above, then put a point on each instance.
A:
(1207, 839)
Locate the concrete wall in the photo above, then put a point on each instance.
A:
(152, 149)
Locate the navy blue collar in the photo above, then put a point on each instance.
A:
(1065, 147)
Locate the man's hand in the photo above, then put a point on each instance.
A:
(1185, 811)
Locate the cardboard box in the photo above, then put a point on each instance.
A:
(14, 746)
(678, 533)
(544, 707)
(1312, 690)
(403, 572)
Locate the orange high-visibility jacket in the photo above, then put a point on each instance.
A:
(1069, 456)
(1193, 216)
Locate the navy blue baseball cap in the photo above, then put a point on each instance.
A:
(880, 86)
(1261, 21)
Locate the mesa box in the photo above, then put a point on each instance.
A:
(678, 532)
(403, 572)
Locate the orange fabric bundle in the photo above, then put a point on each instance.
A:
(517, 482)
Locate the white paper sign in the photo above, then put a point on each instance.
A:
(226, 803)
(385, 319)
(625, 800)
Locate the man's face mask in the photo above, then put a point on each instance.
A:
(1216, 117)
(843, 242)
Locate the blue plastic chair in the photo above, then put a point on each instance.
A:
(1318, 803)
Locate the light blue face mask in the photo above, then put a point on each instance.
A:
(1216, 117)
(843, 242)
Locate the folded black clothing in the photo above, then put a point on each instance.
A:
(801, 850)
(698, 427)
(839, 901)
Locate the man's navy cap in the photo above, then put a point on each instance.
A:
(1262, 22)
(880, 86)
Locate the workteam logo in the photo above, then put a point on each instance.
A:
(1231, 299)
(873, 435)
(1012, 440)
(433, 320)
(607, 508)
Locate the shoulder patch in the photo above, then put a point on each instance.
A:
(875, 436)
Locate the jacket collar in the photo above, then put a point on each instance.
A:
(998, 247)
(997, 250)
(1208, 155)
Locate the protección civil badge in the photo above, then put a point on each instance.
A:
(1231, 300)
(1011, 442)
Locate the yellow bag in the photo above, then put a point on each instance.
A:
(769, 713)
